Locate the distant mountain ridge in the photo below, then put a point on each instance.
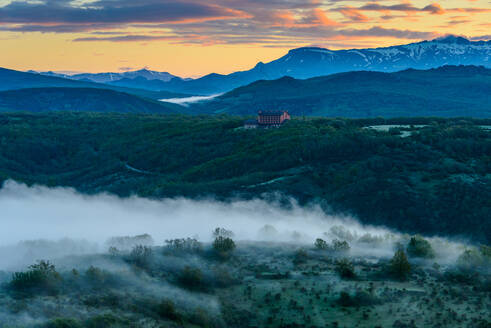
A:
(112, 77)
(448, 91)
(14, 80)
(311, 62)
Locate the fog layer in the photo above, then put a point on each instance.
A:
(39, 222)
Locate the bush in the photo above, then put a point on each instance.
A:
(340, 246)
(98, 277)
(485, 251)
(191, 278)
(189, 245)
(106, 321)
(41, 278)
(361, 298)
(300, 257)
(166, 309)
(62, 323)
(223, 245)
(321, 244)
(345, 269)
(420, 247)
(399, 265)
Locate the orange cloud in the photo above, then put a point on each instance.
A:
(353, 14)
(322, 19)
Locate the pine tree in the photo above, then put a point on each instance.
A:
(399, 265)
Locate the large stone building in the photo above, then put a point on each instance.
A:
(265, 119)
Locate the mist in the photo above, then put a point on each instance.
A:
(47, 223)
(186, 101)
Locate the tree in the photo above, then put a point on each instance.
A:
(399, 265)
(340, 246)
(420, 247)
(140, 255)
(222, 232)
(223, 246)
(321, 244)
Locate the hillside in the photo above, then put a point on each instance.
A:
(311, 62)
(13, 80)
(435, 180)
(449, 91)
(80, 100)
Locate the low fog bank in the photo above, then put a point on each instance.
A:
(186, 101)
(48, 223)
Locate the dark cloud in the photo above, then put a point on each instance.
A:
(433, 8)
(265, 22)
(111, 12)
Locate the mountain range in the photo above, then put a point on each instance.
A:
(448, 91)
(36, 92)
(303, 63)
(111, 77)
(308, 62)
(306, 81)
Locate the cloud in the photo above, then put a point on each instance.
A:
(433, 8)
(53, 12)
(260, 22)
(353, 14)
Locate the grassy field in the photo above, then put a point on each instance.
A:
(257, 284)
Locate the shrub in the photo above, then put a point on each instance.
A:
(105, 321)
(340, 246)
(166, 309)
(420, 247)
(345, 269)
(223, 245)
(361, 298)
(98, 277)
(223, 278)
(189, 245)
(399, 265)
(345, 299)
(321, 244)
(62, 323)
(191, 278)
(300, 257)
(41, 278)
(485, 251)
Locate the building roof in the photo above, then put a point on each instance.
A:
(271, 112)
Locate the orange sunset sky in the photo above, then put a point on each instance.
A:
(193, 37)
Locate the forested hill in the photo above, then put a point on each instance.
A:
(80, 100)
(448, 91)
(432, 179)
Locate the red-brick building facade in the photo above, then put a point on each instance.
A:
(272, 118)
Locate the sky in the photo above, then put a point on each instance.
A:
(190, 38)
